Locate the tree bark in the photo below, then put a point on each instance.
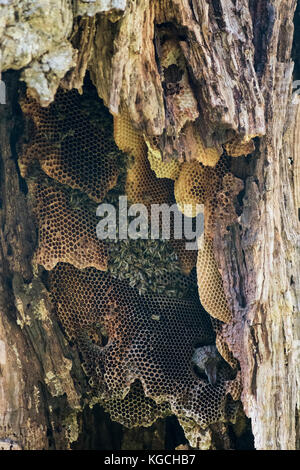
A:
(238, 57)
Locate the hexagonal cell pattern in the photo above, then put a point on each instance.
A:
(71, 146)
(65, 234)
(238, 147)
(210, 284)
(124, 337)
(137, 349)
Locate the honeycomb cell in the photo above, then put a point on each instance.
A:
(71, 146)
(238, 147)
(208, 156)
(65, 234)
(162, 169)
(127, 138)
(150, 266)
(137, 344)
(150, 339)
(195, 185)
(179, 96)
(142, 185)
(210, 284)
(187, 258)
(136, 409)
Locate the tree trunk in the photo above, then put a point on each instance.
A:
(233, 61)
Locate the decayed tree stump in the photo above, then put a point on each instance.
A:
(238, 58)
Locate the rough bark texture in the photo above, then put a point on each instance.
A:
(36, 36)
(32, 346)
(238, 56)
(216, 43)
(259, 257)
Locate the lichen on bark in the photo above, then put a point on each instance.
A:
(35, 38)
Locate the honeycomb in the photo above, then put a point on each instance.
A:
(197, 436)
(142, 185)
(187, 258)
(222, 346)
(70, 145)
(162, 169)
(210, 284)
(127, 138)
(179, 96)
(140, 410)
(65, 234)
(208, 156)
(221, 207)
(226, 211)
(136, 328)
(146, 338)
(149, 266)
(197, 184)
(136, 409)
(238, 147)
